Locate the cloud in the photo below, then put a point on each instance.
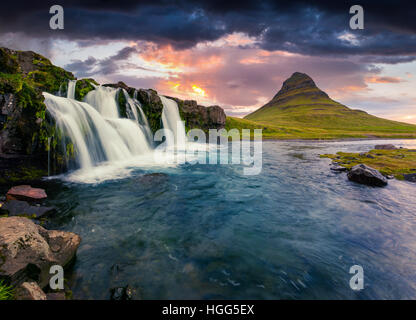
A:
(318, 28)
(384, 80)
(92, 66)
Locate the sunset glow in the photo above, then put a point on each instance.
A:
(198, 90)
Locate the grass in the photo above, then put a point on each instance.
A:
(6, 292)
(388, 162)
(308, 113)
(291, 131)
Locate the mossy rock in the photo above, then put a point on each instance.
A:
(83, 86)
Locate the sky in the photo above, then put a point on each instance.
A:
(235, 54)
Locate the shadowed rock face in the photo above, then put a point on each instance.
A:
(194, 115)
(29, 291)
(27, 251)
(364, 174)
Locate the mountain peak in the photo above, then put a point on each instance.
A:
(298, 83)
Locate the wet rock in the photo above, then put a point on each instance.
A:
(337, 168)
(390, 177)
(364, 174)
(26, 193)
(29, 291)
(410, 177)
(28, 250)
(22, 208)
(385, 147)
(55, 296)
(152, 178)
(122, 293)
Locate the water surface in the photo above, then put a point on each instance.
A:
(210, 232)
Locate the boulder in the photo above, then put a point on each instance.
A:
(28, 250)
(385, 147)
(22, 208)
(410, 177)
(55, 296)
(338, 168)
(364, 174)
(122, 293)
(29, 291)
(26, 193)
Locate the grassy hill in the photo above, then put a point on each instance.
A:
(300, 110)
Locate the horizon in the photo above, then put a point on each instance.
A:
(240, 60)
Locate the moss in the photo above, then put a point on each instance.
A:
(388, 162)
(121, 101)
(84, 86)
(8, 62)
(10, 83)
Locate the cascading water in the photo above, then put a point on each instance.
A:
(172, 121)
(133, 106)
(71, 89)
(102, 139)
(95, 129)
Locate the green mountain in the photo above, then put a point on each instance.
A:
(301, 110)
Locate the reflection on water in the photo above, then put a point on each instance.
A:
(208, 231)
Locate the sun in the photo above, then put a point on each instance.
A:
(198, 90)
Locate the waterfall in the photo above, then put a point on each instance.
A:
(172, 121)
(135, 111)
(70, 94)
(103, 142)
(95, 128)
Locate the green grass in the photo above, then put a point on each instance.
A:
(302, 111)
(6, 292)
(388, 162)
(329, 120)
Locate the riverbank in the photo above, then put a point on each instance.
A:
(398, 162)
(296, 131)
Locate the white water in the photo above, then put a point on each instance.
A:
(135, 111)
(172, 121)
(71, 89)
(107, 146)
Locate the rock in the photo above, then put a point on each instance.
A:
(385, 147)
(364, 174)
(28, 250)
(22, 208)
(410, 177)
(122, 293)
(26, 193)
(150, 179)
(390, 177)
(56, 296)
(29, 291)
(337, 168)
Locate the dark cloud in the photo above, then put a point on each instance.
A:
(306, 27)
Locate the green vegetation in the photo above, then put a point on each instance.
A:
(6, 292)
(84, 86)
(26, 75)
(389, 162)
(23, 174)
(121, 101)
(300, 110)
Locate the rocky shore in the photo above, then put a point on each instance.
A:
(27, 250)
(376, 167)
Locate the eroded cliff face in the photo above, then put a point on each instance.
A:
(24, 75)
(194, 115)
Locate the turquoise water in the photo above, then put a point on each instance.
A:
(210, 232)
